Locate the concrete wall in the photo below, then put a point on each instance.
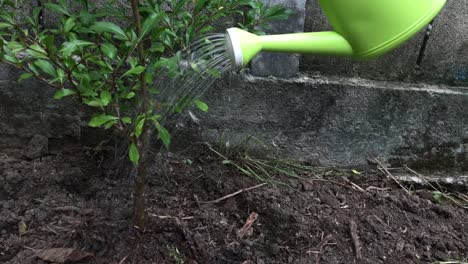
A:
(28, 108)
(447, 50)
(332, 120)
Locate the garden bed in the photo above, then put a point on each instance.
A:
(202, 211)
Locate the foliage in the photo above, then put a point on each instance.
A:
(175, 254)
(107, 59)
(108, 55)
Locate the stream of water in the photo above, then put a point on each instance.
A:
(200, 65)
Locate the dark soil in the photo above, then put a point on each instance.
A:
(66, 200)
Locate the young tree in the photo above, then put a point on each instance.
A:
(107, 56)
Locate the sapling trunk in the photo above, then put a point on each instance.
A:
(144, 142)
(140, 183)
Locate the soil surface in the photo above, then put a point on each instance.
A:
(68, 200)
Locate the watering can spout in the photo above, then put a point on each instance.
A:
(363, 29)
(242, 46)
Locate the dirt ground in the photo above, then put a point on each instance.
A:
(67, 200)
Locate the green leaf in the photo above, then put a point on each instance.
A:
(25, 76)
(36, 15)
(199, 5)
(69, 24)
(7, 18)
(127, 120)
(49, 42)
(37, 52)
(109, 50)
(94, 103)
(106, 97)
(148, 25)
(139, 127)
(437, 196)
(61, 75)
(109, 27)
(356, 172)
(34, 69)
(86, 18)
(57, 8)
(11, 59)
(63, 92)
(110, 124)
(100, 120)
(46, 67)
(15, 46)
(136, 70)
(164, 135)
(213, 72)
(130, 95)
(157, 47)
(201, 105)
(69, 47)
(205, 29)
(180, 4)
(133, 154)
(5, 25)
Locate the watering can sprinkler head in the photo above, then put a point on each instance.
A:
(363, 29)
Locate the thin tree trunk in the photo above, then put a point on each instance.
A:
(144, 142)
(139, 196)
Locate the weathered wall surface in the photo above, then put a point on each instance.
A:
(266, 63)
(446, 56)
(444, 61)
(343, 120)
(28, 108)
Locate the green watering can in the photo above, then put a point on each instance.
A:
(364, 29)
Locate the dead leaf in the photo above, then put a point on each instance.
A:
(22, 228)
(248, 224)
(63, 255)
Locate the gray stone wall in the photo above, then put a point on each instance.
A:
(28, 108)
(267, 63)
(333, 120)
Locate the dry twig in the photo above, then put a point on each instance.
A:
(359, 188)
(321, 246)
(355, 237)
(234, 194)
(385, 169)
(171, 217)
(67, 209)
(248, 225)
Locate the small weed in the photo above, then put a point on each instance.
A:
(175, 254)
(187, 161)
(439, 193)
(263, 169)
